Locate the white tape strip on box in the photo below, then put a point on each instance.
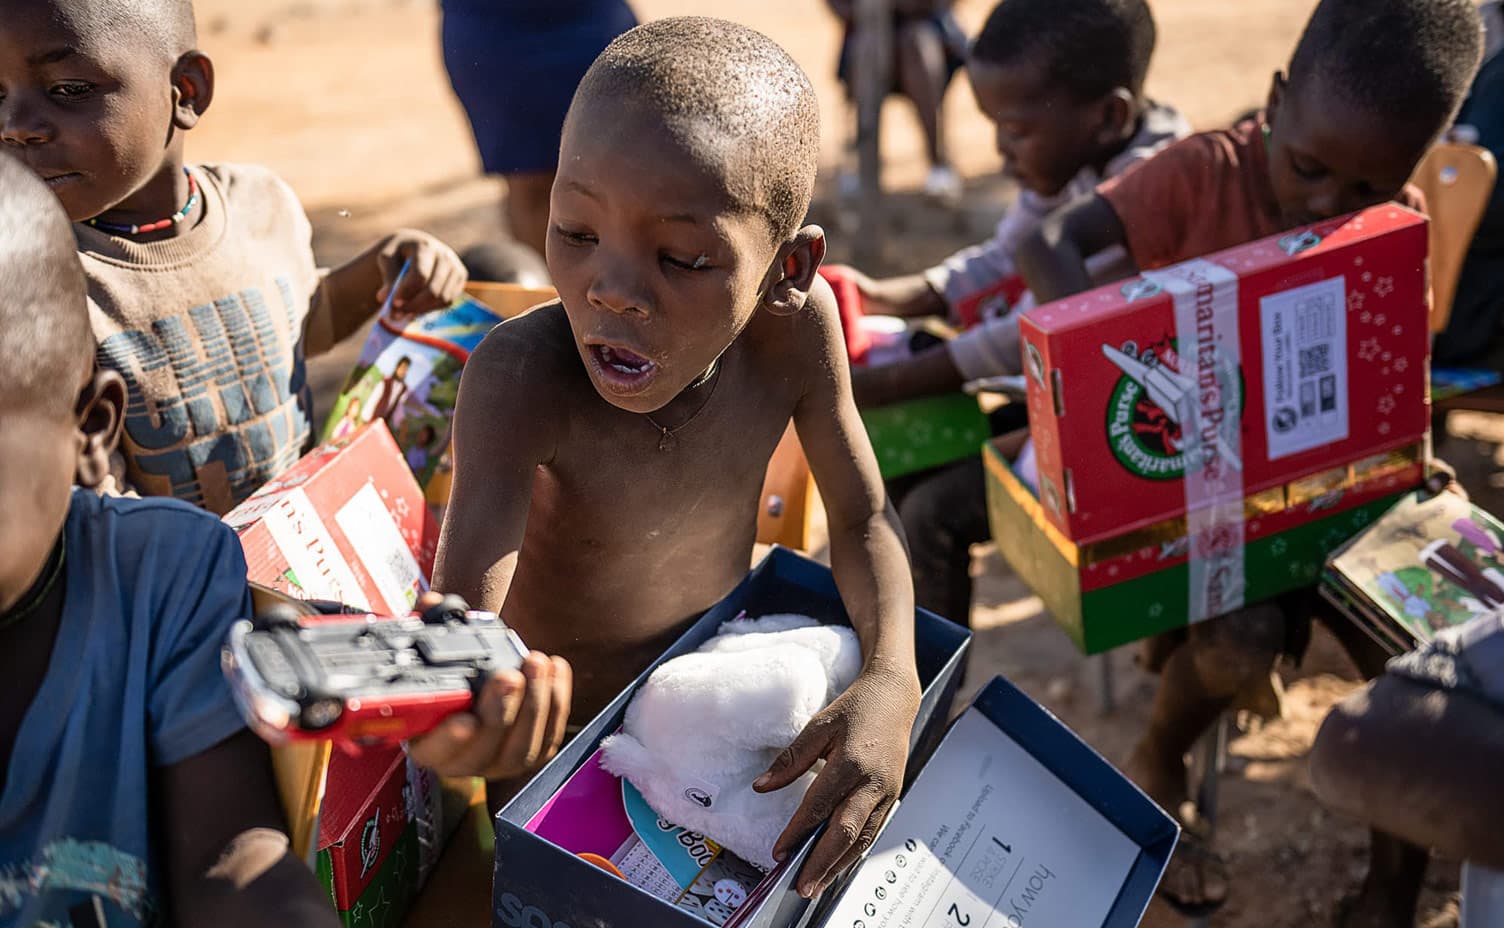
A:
(1208, 401)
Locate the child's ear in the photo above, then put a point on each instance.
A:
(192, 88)
(1276, 97)
(100, 413)
(793, 274)
(1118, 110)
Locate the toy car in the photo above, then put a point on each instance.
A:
(363, 680)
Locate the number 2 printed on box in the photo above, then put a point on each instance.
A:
(1305, 367)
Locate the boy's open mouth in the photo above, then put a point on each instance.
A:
(625, 371)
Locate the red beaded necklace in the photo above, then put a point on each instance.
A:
(160, 224)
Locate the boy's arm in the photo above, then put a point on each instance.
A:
(217, 819)
(908, 296)
(228, 859)
(931, 372)
(1053, 259)
(864, 735)
(351, 293)
(502, 432)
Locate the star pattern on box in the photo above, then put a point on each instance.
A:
(1156, 610)
(1380, 319)
(1401, 364)
(1383, 287)
(380, 904)
(401, 507)
(1399, 388)
(1370, 349)
(358, 913)
(1366, 318)
(1367, 277)
(1358, 261)
(1355, 301)
(1383, 428)
(1279, 547)
(1386, 405)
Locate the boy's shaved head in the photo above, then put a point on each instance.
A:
(166, 24)
(696, 72)
(1088, 47)
(1410, 61)
(45, 338)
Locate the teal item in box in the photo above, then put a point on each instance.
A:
(917, 435)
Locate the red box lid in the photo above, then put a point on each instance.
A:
(346, 523)
(1319, 337)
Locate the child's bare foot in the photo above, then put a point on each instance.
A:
(1195, 883)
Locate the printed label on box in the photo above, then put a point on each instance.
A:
(1305, 367)
(988, 836)
(379, 545)
(316, 563)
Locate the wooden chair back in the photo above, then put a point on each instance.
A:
(1457, 180)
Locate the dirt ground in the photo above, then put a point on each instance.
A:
(348, 100)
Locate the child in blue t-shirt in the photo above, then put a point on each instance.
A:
(130, 791)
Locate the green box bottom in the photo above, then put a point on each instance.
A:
(920, 434)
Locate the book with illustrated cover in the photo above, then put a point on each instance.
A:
(1430, 563)
(409, 377)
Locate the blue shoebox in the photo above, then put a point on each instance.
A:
(1014, 821)
(538, 884)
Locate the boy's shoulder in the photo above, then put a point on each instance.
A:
(524, 361)
(257, 190)
(136, 533)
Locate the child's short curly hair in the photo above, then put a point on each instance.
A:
(1410, 61)
(1089, 48)
(692, 71)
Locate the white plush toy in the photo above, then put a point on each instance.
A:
(706, 724)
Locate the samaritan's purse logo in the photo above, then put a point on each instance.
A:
(370, 843)
(1161, 423)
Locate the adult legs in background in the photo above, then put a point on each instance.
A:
(922, 77)
(514, 68)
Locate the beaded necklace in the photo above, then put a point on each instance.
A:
(160, 224)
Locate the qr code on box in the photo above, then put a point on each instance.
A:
(1315, 360)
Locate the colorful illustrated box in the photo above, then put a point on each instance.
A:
(409, 377)
(1190, 388)
(540, 880)
(917, 435)
(347, 523)
(1013, 821)
(1122, 588)
(1429, 563)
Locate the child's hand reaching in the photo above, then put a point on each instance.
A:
(863, 738)
(515, 727)
(435, 277)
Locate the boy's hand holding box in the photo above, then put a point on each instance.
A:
(1206, 434)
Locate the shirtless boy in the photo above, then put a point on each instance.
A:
(611, 447)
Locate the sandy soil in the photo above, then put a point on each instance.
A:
(347, 99)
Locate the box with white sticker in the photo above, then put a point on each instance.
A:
(347, 524)
(1210, 381)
